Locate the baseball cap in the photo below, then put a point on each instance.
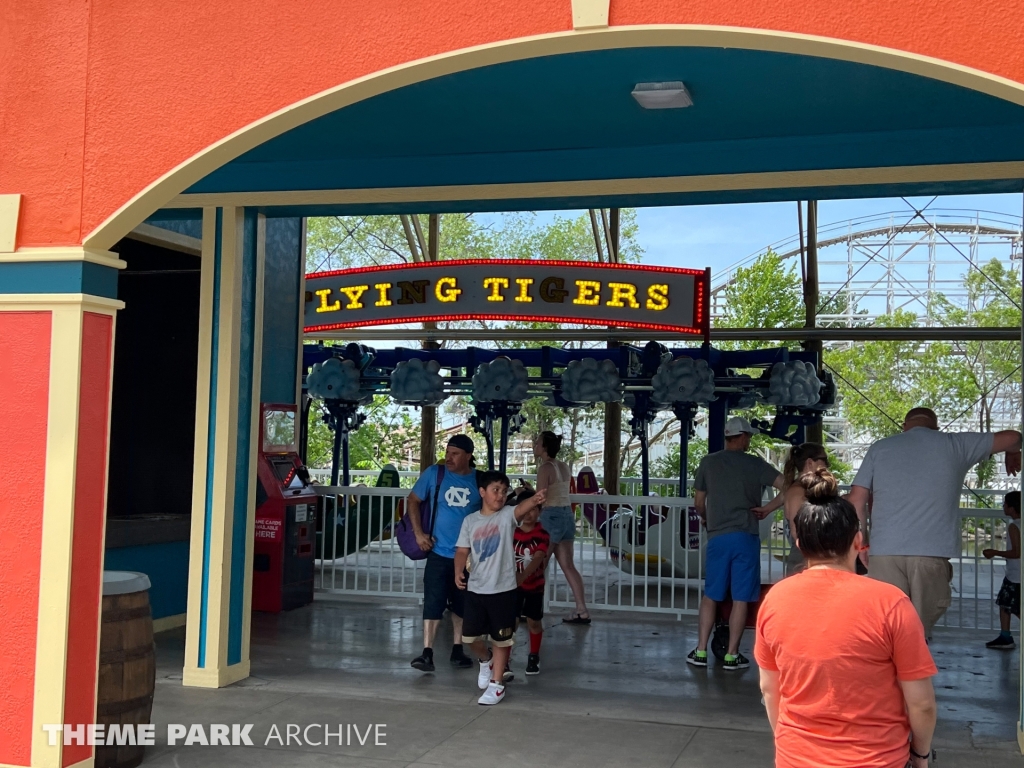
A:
(462, 442)
(737, 425)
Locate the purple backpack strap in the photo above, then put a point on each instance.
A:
(434, 501)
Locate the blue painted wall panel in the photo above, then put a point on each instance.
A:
(192, 227)
(167, 567)
(246, 411)
(281, 306)
(211, 439)
(59, 277)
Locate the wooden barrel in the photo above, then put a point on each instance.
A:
(127, 664)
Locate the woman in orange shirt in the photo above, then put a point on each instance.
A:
(847, 684)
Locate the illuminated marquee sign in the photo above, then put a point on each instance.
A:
(624, 295)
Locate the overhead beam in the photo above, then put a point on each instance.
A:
(455, 196)
(428, 420)
(166, 238)
(813, 431)
(598, 334)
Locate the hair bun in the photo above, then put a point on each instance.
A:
(819, 484)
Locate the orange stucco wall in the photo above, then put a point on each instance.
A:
(99, 99)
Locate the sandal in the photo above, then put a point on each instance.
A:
(576, 618)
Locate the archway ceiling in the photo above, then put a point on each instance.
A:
(571, 118)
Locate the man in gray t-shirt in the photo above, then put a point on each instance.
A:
(727, 494)
(913, 481)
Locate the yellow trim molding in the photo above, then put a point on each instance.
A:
(589, 14)
(215, 677)
(224, 403)
(596, 187)
(169, 622)
(32, 302)
(71, 253)
(172, 183)
(229, 320)
(202, 436)
(58, 527)
(10, 205)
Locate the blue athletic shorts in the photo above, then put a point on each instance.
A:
(733, 568)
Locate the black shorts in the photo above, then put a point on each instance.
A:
(490, 616)
(1009, 597)
(530, 604)
(439, 590)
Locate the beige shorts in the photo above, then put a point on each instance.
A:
(925, 580)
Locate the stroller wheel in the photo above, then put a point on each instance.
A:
(720, 641)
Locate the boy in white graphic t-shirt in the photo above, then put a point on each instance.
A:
(485, 541)
(1008, 599)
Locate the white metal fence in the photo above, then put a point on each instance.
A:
(630, 486)
(634, 554)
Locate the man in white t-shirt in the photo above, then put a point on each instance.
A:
(913, 481)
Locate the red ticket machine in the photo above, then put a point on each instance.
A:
(286, 508)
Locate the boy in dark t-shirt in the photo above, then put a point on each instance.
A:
(532, 545)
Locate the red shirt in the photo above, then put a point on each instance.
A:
(529, 545)
(841, 644)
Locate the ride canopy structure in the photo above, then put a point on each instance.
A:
(497, 382)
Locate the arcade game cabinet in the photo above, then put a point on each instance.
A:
(286, 508)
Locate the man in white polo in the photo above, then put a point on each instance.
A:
(913, 481)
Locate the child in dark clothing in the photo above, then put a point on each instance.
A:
(532, 545)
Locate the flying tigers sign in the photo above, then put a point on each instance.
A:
(623, 295)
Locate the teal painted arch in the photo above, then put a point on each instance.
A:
(570, 117)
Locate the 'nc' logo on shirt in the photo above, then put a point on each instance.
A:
(457, 497)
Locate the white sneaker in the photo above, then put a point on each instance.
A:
(495, 692)
(484, 678)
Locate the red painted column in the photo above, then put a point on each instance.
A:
(55, 386)
(24, 392)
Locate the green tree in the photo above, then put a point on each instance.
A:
(767, 294)
(993, 299)
(340, 242)
(386, 437)
(668, 465)
(881, 380)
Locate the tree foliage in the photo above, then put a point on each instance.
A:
(767, 294)
(668, 464)
(882, 380)
(879, 381)
(340, 242)
(993, 300)
(386, 437)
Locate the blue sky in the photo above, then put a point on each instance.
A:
(718, 236)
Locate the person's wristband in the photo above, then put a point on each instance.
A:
(929, 756)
